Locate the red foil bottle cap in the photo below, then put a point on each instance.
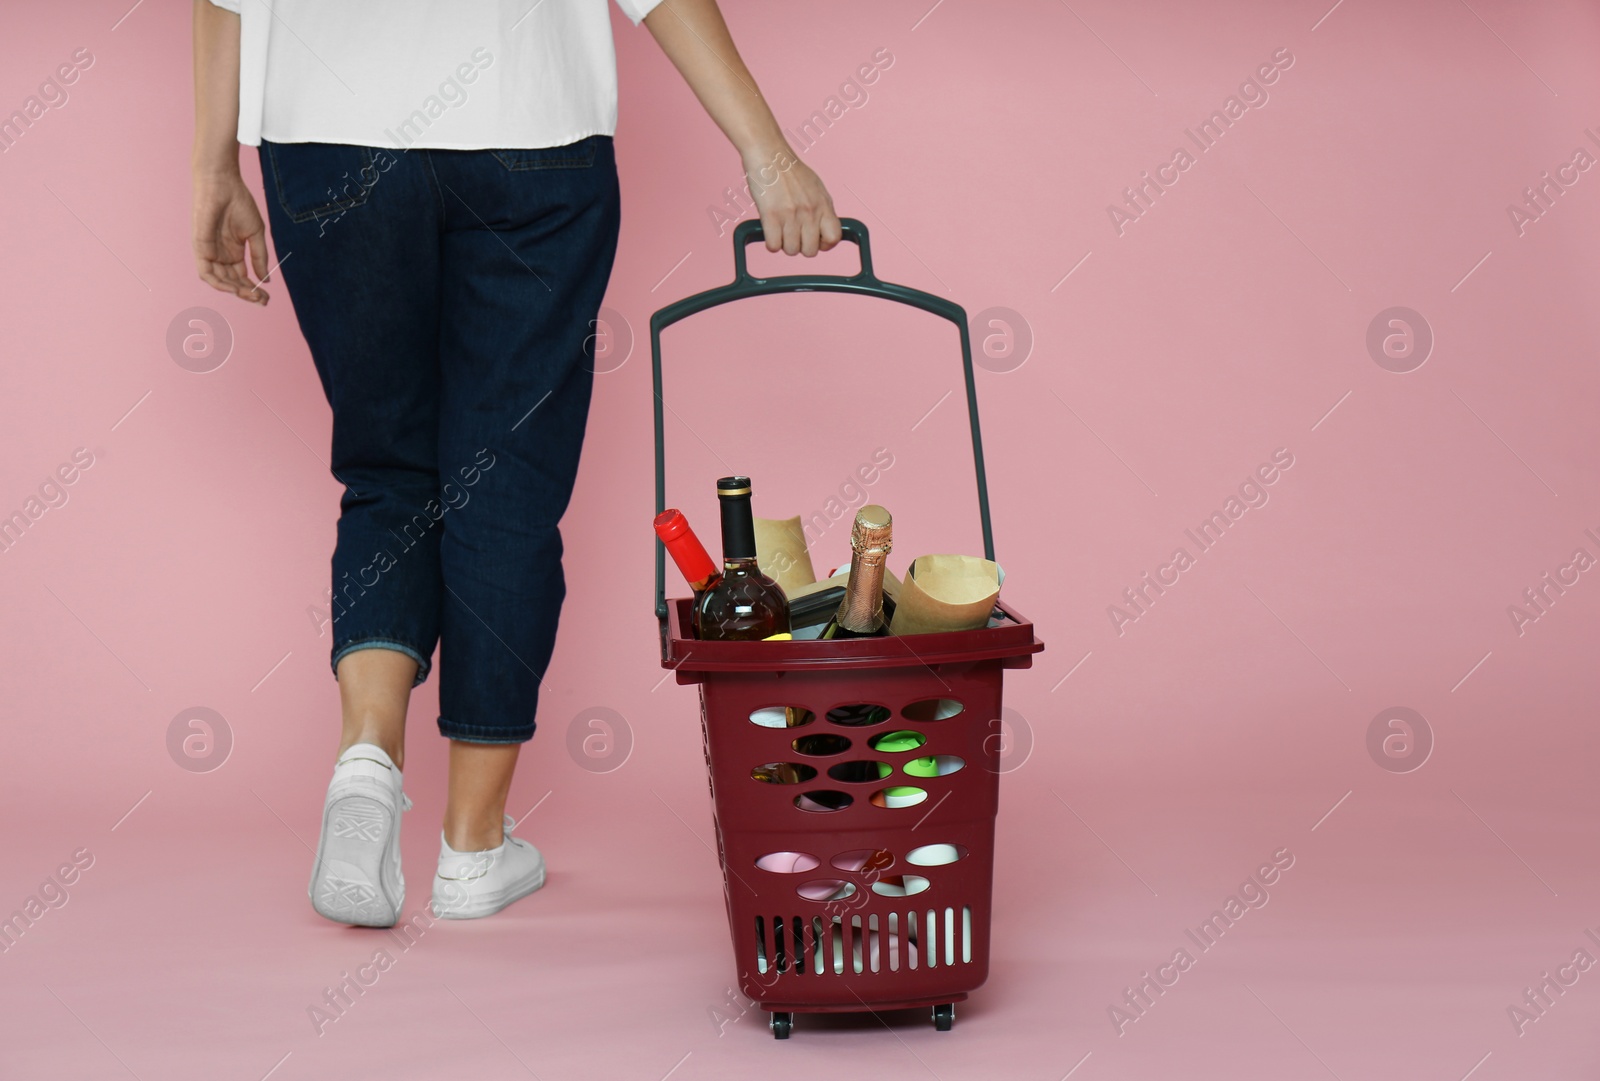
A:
(671, 524)
(684, 547)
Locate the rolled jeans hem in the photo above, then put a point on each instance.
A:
(483, 733)
(424, 664)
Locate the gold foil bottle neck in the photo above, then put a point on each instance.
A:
(873, 530)
(861, 610)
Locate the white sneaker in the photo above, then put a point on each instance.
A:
(356, 878)
(473, 884)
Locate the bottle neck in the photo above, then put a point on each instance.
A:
(738, 530)
(685, 548)
(861, 610)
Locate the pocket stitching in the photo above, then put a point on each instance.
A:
(325, 209)
(569, 162)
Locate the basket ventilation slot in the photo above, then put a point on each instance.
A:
(920, 938)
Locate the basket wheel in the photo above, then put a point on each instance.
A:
(782, 1022)
(944, 1015)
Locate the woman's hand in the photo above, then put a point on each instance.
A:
(796, 210)
(226, 222)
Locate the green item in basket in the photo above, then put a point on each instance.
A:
(923, 767)
(904, 740)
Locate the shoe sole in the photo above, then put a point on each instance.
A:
(486, 907)
(347, 881)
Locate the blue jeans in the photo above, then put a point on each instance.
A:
(446, 296)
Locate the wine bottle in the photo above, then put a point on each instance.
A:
(742, 604)
(860, 614)
(686, 550)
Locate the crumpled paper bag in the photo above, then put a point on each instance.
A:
(945, 593)
(781, 553)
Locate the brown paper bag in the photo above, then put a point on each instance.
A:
(781, 553)
(945, 593)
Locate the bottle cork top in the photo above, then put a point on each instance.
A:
(872, 530)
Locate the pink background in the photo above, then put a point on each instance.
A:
(1167, 363)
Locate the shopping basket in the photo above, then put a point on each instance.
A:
(846, 893)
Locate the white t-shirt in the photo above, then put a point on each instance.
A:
(444, 74)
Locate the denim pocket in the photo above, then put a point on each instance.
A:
(318, 180)
(578, 155)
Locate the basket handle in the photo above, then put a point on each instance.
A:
(750, 232)
(864, 283)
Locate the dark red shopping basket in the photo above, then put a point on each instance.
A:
(844, 893)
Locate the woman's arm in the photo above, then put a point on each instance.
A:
(796, 210)
(225, 216)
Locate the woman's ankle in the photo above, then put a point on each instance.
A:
(474, 835)
(395, 749)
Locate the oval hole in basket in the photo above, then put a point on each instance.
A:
(822, 744)
(900, 795)
(788, 863)
(934, 765)
(864, 859)
(783, 773)
(823, 800)
(858, 715)
(781, 716)
(825, 889)
(900, 885)
(897, 742)
(935, 855)
(860, 770)
(932, 709)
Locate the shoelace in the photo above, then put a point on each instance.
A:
(511, 824)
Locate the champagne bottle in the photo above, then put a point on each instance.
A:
(860, 614)
(742, 604)
(686, 550)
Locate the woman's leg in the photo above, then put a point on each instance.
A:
(529, 241)
(374, 689)
(480, 781)
(357, 236)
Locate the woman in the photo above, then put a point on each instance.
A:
(442, 193)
